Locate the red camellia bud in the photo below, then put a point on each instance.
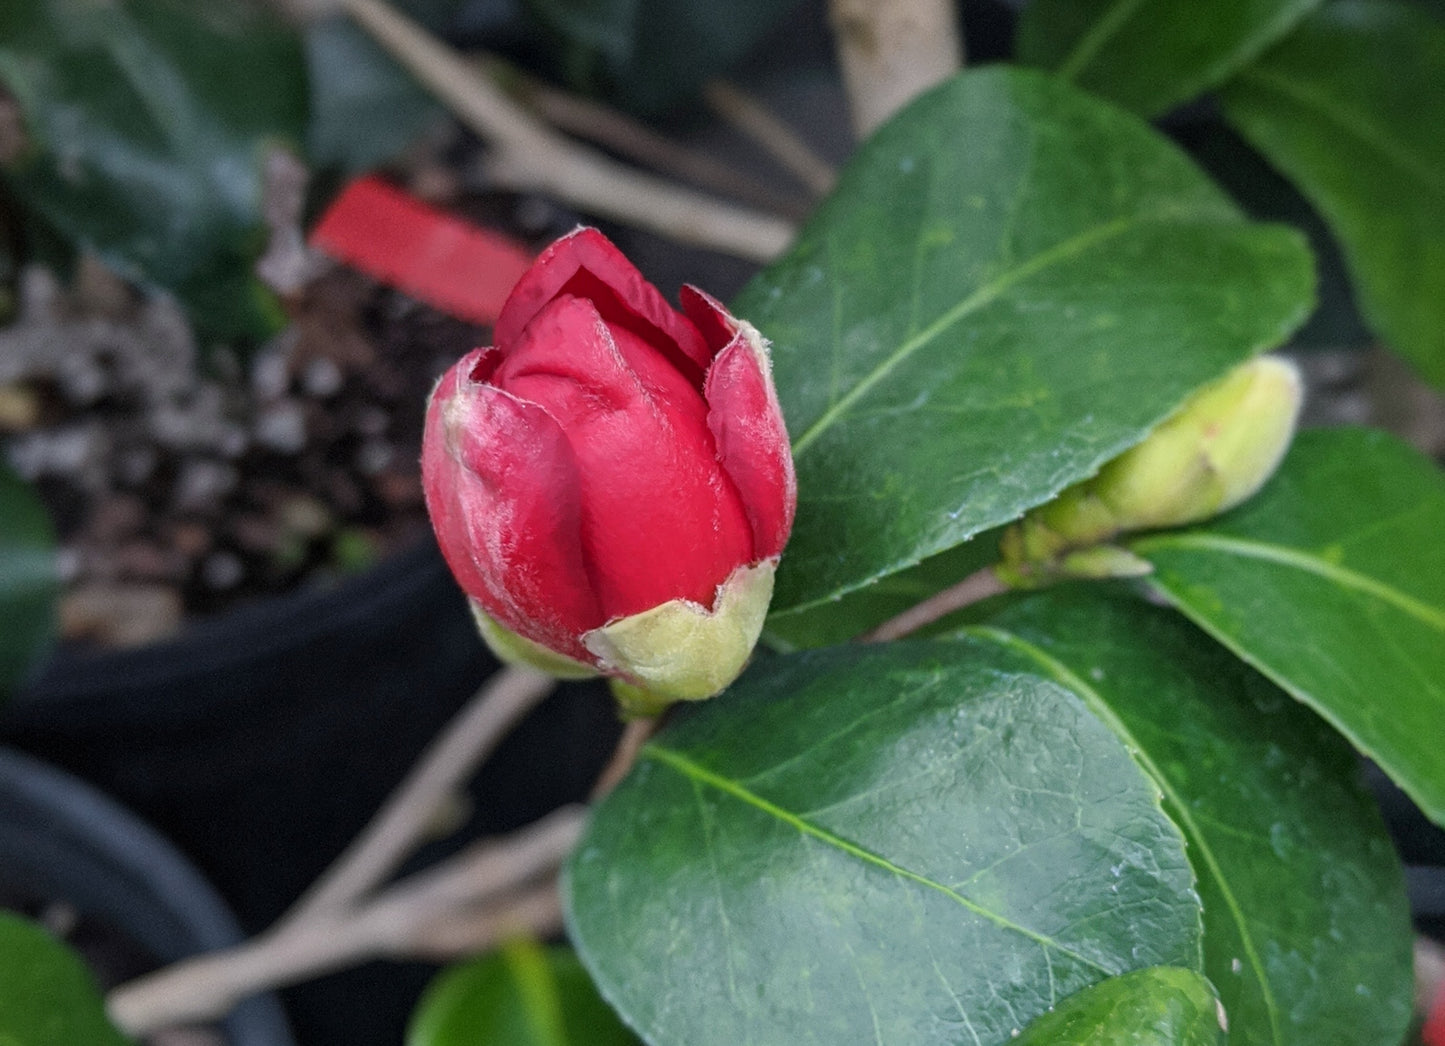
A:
(611, 482)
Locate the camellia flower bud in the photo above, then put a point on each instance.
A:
(611, 482)
(1210, 455)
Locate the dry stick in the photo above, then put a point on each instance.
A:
(634, 735)
(394, 832)
(622, 134)
(536, 912)
(479, 887)
(891, 52)
(1429, 973)
(782, 143)
(977, 586)
(528, 155)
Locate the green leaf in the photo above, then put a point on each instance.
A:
(839, 621)
(919, 843)
(1151, 55)
(1012, 284)
(1306, 924)
(364, 107)
(28, 582)
(647, 55)
(148, 123)
(1331, 581)
(1160, 1006)
(49, 998)
(1349, 107)
(524, 995)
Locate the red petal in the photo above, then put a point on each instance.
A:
(660, 521)
(459, 268)
(502, 489)
(747, 425)
(585, 263)
(710, 317)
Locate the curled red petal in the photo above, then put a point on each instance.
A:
(660, 519)
(751, 437)
(711, 318)
(503, 493)
(585, 264)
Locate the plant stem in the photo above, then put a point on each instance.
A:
(893, 51)
(634, 736)
(605, 126)
(979, 585)
(394, 832)
(478, 889)
(528, 155)
(782, 143)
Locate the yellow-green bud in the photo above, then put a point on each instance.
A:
(1210, 455)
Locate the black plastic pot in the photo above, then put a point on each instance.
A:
(63, 842)
(263, 741)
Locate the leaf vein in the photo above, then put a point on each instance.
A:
(1301, 560)
(698, 773)
(1099, 33)
(981, 297)
(1184, 815)
(1396, 152)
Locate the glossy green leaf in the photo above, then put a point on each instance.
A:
(148, 123)
(1012, 283)
(1160, 1006)
(47, 996)
(647, 55)
(1306, 924)
(28, 582)
(839, 621)
(1151, 55)
(919, 843)
(1332, 582)
(1350, 108)
(524, 995)
(364, 107)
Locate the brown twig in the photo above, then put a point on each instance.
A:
(444, 766)
(979, 585)
(528, 155)
(634, 735)
(535, 912)
(480, 886)
(605, 126)
(781, 142)
(892, 52)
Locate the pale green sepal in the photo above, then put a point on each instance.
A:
(512, 649)
(637, 703)
(1096, 563)
(1103, 562)
(681, 651)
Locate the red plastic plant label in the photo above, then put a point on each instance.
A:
(452, 265)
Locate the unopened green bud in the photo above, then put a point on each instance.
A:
(1210, 455)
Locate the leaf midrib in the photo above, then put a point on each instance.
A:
(699, 774)
(984, 295)
(1099, 33)
(1101, 708)
(1396, 152)
(1301, 560)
